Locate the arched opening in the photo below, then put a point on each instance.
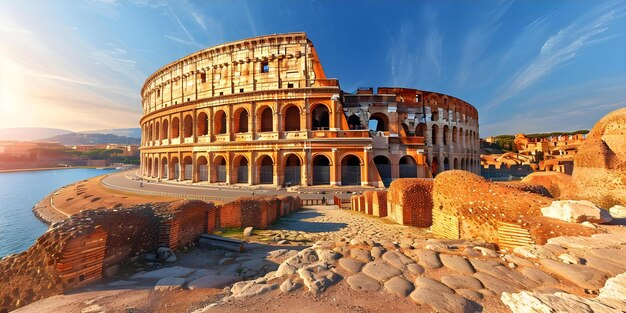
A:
(220, 169)
(405, 128)
(188, 167)
(446, 133)
(241, 121)
(266, 120)
(266, 170)
(321, 117)
(176, 167)
(292, 170)
(155, 171)
(166, 130)
(461, 136)
(149, 133)
(379, 122)
(383, 165)
(420, 130)
(455, 163)
(187, 126)
(350, 171)
(150, 169)
(219, 122)
(242, 169)
(408, 167)
(434, 134)
(175, 128)
(321, 170)
(165, 171)
(203, 124)
(454, 134)
(463, 166)
(157, 131)
(292, 118)
(203, 169)
(446, 164)
(354, 122)
(435, 115)
(434, 167)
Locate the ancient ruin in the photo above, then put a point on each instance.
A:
(262, 111)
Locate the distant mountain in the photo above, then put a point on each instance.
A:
(128, 132)
(92, 139)
(30, 133)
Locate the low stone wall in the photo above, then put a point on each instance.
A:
(379, 203)
(410, 202)
(76, 251)
(368, 197)
(256, 212)
(468, 206)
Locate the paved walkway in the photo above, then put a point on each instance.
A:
(129, 181)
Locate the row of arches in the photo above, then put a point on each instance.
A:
(438, 165)
(240, 123)
(447, 137)
(263, 170)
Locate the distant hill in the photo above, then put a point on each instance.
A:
(128, 132)
(30, 133)
(92, 139)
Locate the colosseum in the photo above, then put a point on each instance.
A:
(262, 111)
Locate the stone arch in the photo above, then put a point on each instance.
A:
(383, 165)
(265, 119)
(166, 129)
(321, 170)
(434, 134)
(202, 168)
(175, 164)
(203, 124)
(241, 118)
(292, 170)
(157, 131)
(354, 122)
(407, 167)
(350, 170)
(187, 167)
(240, 169)
(320, 117)
(187, 126)
(150, 169)
(434, 166)
(220, 169)
(420, 130)
(265, 168)
(446, 164)
(219, 122)
(454, 134)
(155, 171)
(455, 164)
(292, 118)
(446, 133)
(175, 133)
(382, 122)
(165, 170)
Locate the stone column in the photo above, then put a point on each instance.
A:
(335, 180)
(365, 170)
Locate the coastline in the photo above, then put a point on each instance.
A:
(44, 169)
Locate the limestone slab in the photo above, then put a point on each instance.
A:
(461, 282)
(581, 275)
(351, 265)
(442, 302)
(399, 286)
(456, 263)
(362, 282)
(431, 284)
(380, 271)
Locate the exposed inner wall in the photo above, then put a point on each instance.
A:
(77, 251)
(261, 111)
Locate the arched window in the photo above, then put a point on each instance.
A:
(321, 117)
(157, 131)
(188, 126)
(188, 168)
(446, 133)
(203, 169)
(219, 126)
(434, 134)
(241, 121)
(175, 127)
(266, 170)
(292, 170)
(350, 170)
(383, 165)
(321, 170)
(266, 121)
(242, 170)
(166, 129)
(292, 118)
(379, 122)
(354, 122)
(203, 124)
(419, 129)
(220, 169)
(408, 167)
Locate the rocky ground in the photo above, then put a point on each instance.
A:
(324, 259)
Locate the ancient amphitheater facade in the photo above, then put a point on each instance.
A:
(261, 111)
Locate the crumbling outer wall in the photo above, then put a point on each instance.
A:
(410, 202)
(250, 212)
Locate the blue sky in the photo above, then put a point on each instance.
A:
(528, 66)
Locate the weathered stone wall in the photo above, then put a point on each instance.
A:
(600, 164)
(410, 202)
(75, 252)
(478, 206)
(379, 204)
(369, 198)
(246, 212)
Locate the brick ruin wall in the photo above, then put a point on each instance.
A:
(76, 251)
(467, 205)
(410, 201)
(379, 203)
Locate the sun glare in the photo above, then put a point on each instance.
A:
(11, 90)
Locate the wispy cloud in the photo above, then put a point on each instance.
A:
(107, 8)
(559, 49)
(116, 59)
